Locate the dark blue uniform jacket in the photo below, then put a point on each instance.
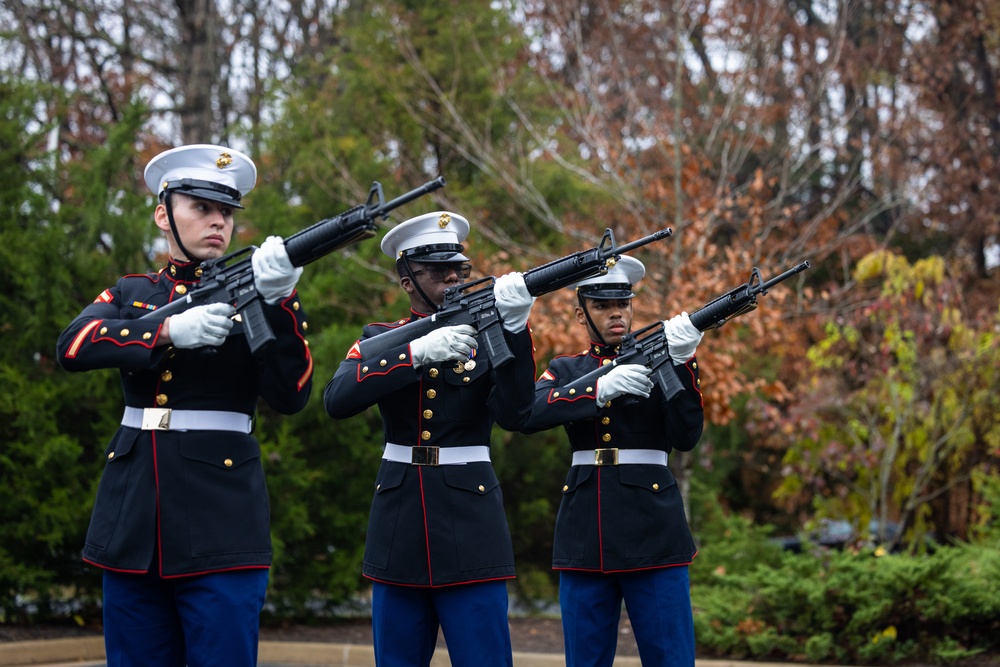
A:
(624, 517)
(436, 525)
(195, 497)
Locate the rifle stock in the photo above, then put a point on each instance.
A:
(474, 303)
(649, 347)
(228, 279)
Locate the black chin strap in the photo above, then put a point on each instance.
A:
(593, 327)
(173, 228)
(416, 285)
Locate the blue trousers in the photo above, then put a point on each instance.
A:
(208, 620)
(472, 617)
(659, 608)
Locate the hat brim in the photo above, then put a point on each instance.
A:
(438, 258)
(606, 291)
(438, 253)
(209, 195)
(216, 192)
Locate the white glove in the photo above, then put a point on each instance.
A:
(682, 337)
(444, 344)
(624, 379)
(201, 326)
(513, 301)
(273, 273)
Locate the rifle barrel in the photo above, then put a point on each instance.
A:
(784, 276)
(645, 240)
(430, 186)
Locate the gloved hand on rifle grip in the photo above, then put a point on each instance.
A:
(201, 326)
(625, 379)
(273, 273)
(682, 337)
(445, 344)
(513, 301)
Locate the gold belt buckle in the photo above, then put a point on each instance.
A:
(156, 419)
(606, 457)
(424, 456)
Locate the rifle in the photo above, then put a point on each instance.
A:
(234, 283)
(648, 346)
(474, 302)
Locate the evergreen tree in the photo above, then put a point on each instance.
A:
(67, 229)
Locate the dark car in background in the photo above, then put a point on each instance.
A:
(837, 534)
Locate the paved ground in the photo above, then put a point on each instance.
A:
(87, 652)
(537, 642)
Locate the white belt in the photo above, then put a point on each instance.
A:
(614, 457)
(436, 456)
(167, 419)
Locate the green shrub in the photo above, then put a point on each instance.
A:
(849, 607)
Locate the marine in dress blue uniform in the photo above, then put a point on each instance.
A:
(621, 534)
(438, 548)
(180, 523)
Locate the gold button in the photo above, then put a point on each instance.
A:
(401, 322)
(605, 362)
(104, 330)
(382, 362)
(166, 376)
(295, 305)
(656, 487)
(428, 414)
(590, 389)
(466, 378)
(161, 399)
(426, 435)
(198, 272)
(555, 394)
(378, 487)
(147, 336)
(698, 382)
(606, 437)
(431, 393)
(364, 369)
(481, 488)
(606, 420)
(228, 463)
(572, 391)
(124, 332)
(305, 326)
(565, 487)
(305, 342)
(111, 455)
(694, 364)
(181, 289)
(402, 356)
(433, 372)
